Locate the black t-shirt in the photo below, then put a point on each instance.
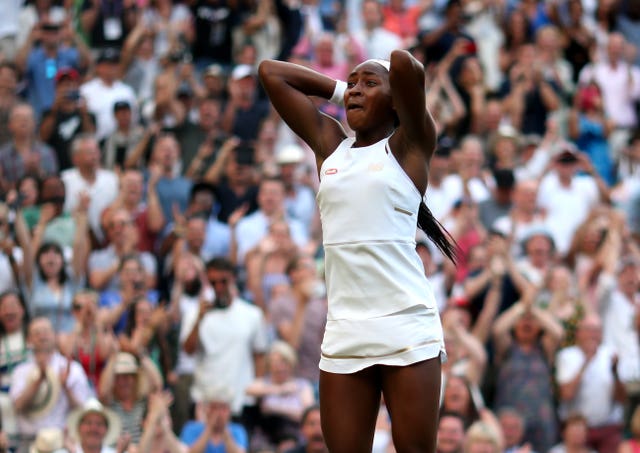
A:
(214, 21)
(67, 127)
(246, 124)
(110, 28)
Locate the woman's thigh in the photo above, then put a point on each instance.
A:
(349, 406)
(412, 396)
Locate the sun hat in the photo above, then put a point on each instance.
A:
(48, 440)
(210, 392)
(47, 394)
(241, 71)
(125, 363)
(93, 406)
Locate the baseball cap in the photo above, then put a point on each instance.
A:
(289, 154)
(241, 71)
(67, 73)
(214, 70)
(121, 105)
(568, 155)
(108, 55)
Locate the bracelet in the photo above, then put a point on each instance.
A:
(338, 93)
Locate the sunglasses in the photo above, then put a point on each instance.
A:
(76, 307)
(220, 281)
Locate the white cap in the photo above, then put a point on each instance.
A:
(290, 154)
(241, 71)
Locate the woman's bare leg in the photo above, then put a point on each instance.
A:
(349, 406)
(412, 396)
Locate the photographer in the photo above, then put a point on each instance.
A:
(67, 117)
(230, 335)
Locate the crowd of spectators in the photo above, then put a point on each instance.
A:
(161, 265)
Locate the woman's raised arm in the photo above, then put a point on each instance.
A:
(290, 88)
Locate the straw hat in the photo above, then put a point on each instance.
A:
(48, 440)
(47, 394)
(93, 406)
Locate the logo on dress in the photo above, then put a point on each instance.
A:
(378, 166)
(331, 171)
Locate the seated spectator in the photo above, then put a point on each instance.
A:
(312, 439)
(482, 437)
(89, 343)
(94, 428)
(574, 437)
(215, 431)
(124, 387)
(157, 435)
(87, 177)
(13, 352)
(512, 425)
(299, 315)
(282, 397)
(67, 117)
(133, 285)
(587, 377)
(105, 265)
(450, 436)
(48, 386)
(24, 154)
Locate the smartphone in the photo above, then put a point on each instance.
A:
(72, 95)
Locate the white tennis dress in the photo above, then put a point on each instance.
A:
(381, 306)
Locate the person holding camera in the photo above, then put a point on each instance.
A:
(230, 335)
(67, 117)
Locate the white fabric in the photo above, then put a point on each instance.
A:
(9, 22)
(374, 275)
(7, 279)
(100, 100)
(228, 339)
(378, 43)
(454, 187)
(77, 382)
(566, 207)
(594, 398)
(186, 363)
(103, 192)
(619, 332)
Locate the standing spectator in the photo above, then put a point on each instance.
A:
(375, 40)
(121, 143)
(40, 58)
(24, 153)
(500, 202)
(9, 28)
(587, 377)
(104, 90)
(245, 110)
(215, 431)
(620, 84)
(526, 338)
(214, 21)
(230, 336)
(67, 117)
(67, 383)
(87, 177)
(12, 263)
(106, 23)
(140, 63)
(567, 197)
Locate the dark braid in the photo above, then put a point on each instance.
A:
(437, 233)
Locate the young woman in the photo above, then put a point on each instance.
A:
(383, 331)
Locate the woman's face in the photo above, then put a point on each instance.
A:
(279, 368)
(51, 262)
(368, 97)
(84, 308)
(526, 329)
(131, 272)
(143, 313)
(11, 313)
(28, 191)
(456, 396)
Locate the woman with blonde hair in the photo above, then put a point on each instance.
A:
(482, 437)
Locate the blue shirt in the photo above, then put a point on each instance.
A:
(41, 71)
(110, 298)
(170, 191)
(193, 430)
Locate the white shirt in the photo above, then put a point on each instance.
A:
(103, 192)
(619, 332)
(9, 22)
(452, 185)
(566, 207)
(100, 100)
(228, 339)
(594, 398)
(620, 89)
(378, 43)
(77, 382)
